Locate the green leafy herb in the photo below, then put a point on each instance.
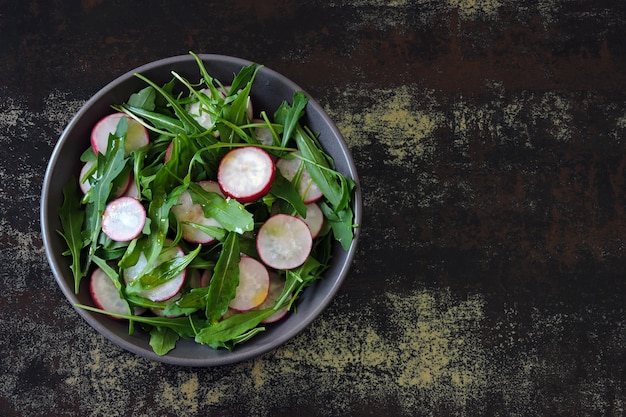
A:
(163, 340)
(229, 213)
(72, 217)
(232, 327)
(225, 279)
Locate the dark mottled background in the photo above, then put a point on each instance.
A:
(489, 136)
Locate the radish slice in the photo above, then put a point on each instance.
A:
(136, 134)
(263, 134)
(277, 284)
(246, 174)
(254, 284)
(205, 279)
(120, 185)
(314, 219)
(289, 168)
(123, 219)
(83, 179)
(168, 152)
(284, 242)
(204, 119)
(187, 211)
(164, 291)
(105, 295)
(132, 190)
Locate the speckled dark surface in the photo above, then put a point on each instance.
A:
(489, 137)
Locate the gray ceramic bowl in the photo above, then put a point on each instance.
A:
(269, 90)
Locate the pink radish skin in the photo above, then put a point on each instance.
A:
(104, 294)
(284, 242)
(136, 134)
(277, 284)
(246, 174)
(164, 291)
(314, 219)
(123, 219)
(168, 152)
(187, 211)
(205, 279)
(308, 190)
(254, 284)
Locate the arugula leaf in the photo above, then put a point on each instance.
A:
(158, 213)
(288, 116)
(109, 168)
(143, 99)
(72, 217)
(232, 327)
(184, 326)
(341, 222)
(285, 190)
(228, 212)
(189, 303)
(190, 124)
(163, 339)
(159, 123)
(225, 279)
(161, 273)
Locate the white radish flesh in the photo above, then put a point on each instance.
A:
(123, 219)
(187, 211)
(263, 134)
(136, 134)
(246, 174)
(289, 168)
(277, 284)
(204, 118)
(284, 242)
(314, 219)
(105, 295)
(166, 290)
(254, 283)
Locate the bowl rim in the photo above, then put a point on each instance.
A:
(238, 354)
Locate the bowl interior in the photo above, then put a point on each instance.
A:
(269, 90)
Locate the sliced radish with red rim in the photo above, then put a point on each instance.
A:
(120, 184)
(166, 290)
(284, 242)
(314, 219)
(289, 168)
(254, 283)
(136, 134)
(123, 219)
(105, 294)
(277, 285)
(188, 212)
(246, 174)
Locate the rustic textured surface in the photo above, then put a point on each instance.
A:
(489, 137)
